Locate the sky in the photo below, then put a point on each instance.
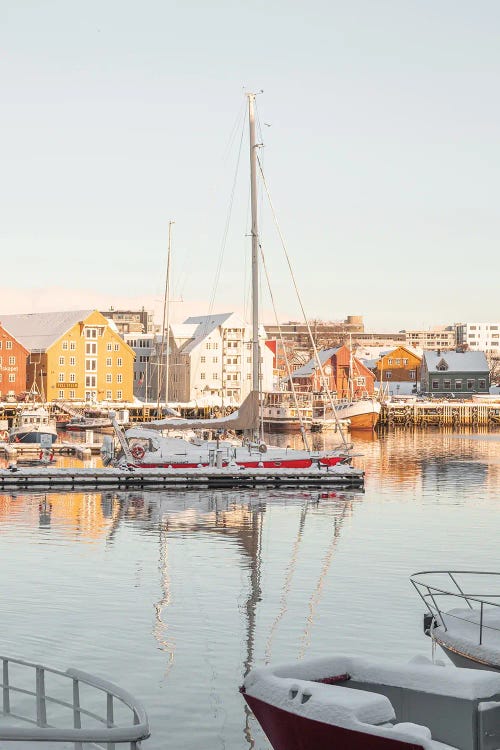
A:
(380, 130)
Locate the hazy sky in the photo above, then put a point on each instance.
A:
(381, 152)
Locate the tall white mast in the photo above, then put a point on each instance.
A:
(255, 247)
(165, 323)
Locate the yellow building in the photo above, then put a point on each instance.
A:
(74, 355)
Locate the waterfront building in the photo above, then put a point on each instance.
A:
(13, 356)
(74, 355)
(455, 374)
(484, 337)
(324, 333)
(345, 374)
(211, 356)
(131, 321)
(145, 376)
(399, 365)
(439, 337)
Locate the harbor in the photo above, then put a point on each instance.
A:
(210, 582)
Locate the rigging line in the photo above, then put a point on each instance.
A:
(283, 606)
(316, 595)
(226, 227)
(313, 343)
(289, 372)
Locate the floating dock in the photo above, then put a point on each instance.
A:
(51, 477)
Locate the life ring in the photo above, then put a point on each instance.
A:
(4, 436)
(262, 448)
(138, 452)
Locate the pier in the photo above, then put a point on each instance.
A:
(440, 414)
(50, 477)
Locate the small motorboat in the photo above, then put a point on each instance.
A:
(34, 425)
(463, 614)
(353, 703)
(88, 709)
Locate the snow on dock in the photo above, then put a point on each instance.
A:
(49, 477)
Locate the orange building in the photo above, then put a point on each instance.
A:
(401, 365)
(345, 375)
(13, 356)
(74, 355)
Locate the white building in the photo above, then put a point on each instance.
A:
(439, 337)
(482, 337)
(210, 361)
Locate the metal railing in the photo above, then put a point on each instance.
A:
(29, 686)
(433, 596)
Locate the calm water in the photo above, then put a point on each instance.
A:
(175, 595)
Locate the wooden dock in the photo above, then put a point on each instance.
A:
(440, 414)
(15, 451)
(50, 477)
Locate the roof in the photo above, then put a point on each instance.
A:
(456, 361)
(306, 370)
(38, 331)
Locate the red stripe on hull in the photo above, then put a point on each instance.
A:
(291, 463)
(287, 731)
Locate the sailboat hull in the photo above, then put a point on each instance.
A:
(363, 414)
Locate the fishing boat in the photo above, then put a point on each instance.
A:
(34, 425)
(144, 447)
(80, 424)
(353, 703)
(363, 413)
(68, 708)
(463, 614)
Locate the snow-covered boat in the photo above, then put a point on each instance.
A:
(33, 423)
(145, 447)
(362, 414)
(463, 614)
(66, 709)
(353, 703)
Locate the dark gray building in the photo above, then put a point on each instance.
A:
(455, 374)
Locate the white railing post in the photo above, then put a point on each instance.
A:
(5, 690)
(77, 718)
(41, 706)
(110, 717)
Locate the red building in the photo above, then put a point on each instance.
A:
(13, 357)
(345, 375)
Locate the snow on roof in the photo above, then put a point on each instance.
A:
(38, 331)
(310, 367)
(457, 361)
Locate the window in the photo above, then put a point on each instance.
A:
(470, 384)
(108, 361)
(405, 361)
(90, 381)
(398, 361)
(249, 376)
(458, 385)
(91, 364)
(72, 361)
(109, 395)
(119, 361)
(12, 377)
(360, 381)
(72, 345)
(109, 377)
(215, 376)
(119, 395)
(215, 359)
(117, 347)
(90, 348)
(208, 345)
(72, 394)
(388, 375)
(389, 361)
(61, 394)
(91, 333)
(412, 373)
(61, 377)
(109, 347)
(72, 377)
(61, 360)
(249, 359)
(447, 385)
(435, 385)
(12, 360)
(203, 359)
(202, 376)
(65, 345)
(8, 344)
(482, 384)
(119, 378)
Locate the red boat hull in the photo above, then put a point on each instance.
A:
(287, 731)
(297, 463)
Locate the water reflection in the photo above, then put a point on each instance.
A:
(176, 595)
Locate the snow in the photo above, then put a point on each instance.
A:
(463, 633)
(457, 361)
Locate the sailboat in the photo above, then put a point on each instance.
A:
(145, 447)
